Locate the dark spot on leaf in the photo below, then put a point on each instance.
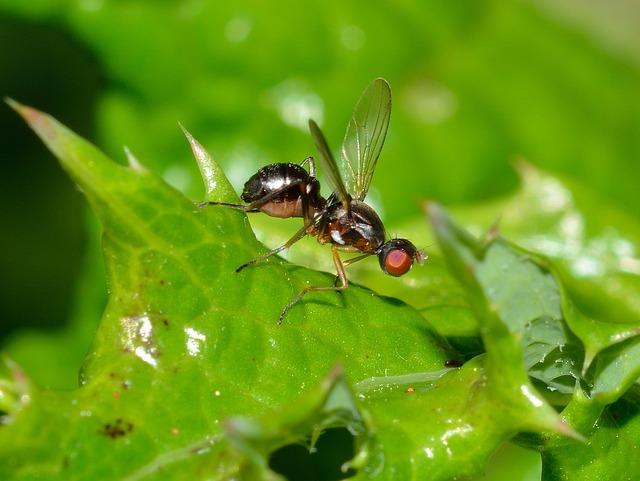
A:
(117, 429)
(453, 363)
(162, 281)
(165, 322)
(65, 462)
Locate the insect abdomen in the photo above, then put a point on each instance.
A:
(274, 177)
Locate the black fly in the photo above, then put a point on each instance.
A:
(343, 220)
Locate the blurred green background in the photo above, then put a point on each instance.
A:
(476, 85)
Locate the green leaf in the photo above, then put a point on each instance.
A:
(512, 280)
(597, 335)
(611, 446)
(329, 405)
(185, 342)
(614, 371)
(517, 301)
(447, 428)
(591, 244)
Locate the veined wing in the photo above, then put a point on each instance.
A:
(329, 165)
(365, 136)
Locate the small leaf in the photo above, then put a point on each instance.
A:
(614, 371)
(444, 426)
(593, 247)
(507, 291)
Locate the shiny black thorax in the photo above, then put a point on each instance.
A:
(359, 229)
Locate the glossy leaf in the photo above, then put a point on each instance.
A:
(448, 428)
(609, 452)
(186, 342)
(508, 283)
(180, 350)
(614, 371)
(593, 248)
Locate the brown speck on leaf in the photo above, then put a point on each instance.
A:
(165, 322)
(116, 394)
(117, 429)
(410, 390)
(65, 462)
(162, 281)
(174, 431)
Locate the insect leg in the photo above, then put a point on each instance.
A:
(348, 262)
(296, 237)
(312, 165)
(353, 260)
(341, 275)
(304, 198)
(242, 207)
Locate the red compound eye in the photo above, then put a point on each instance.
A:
(397, 262)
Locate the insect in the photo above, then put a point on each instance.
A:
(343, 220)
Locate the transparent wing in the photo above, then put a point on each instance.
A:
(365, 136)
(329, 165)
